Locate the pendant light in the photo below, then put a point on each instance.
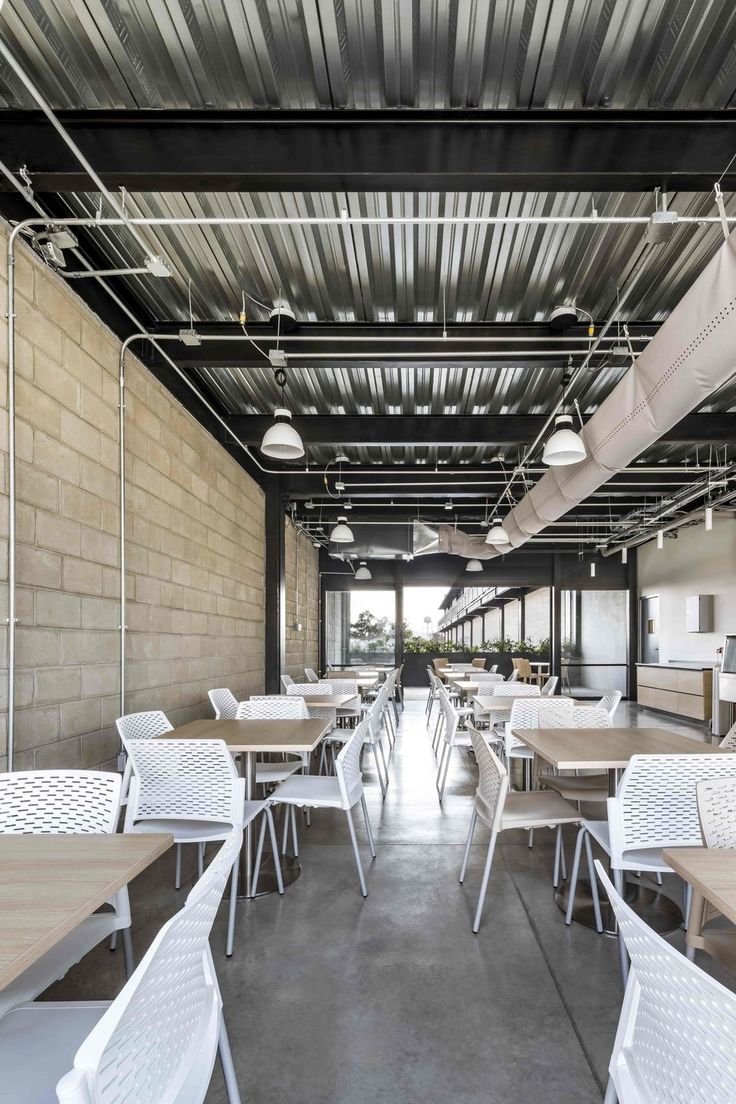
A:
(565, 446)
(363, 572)
(281, 441)
(497, 534)
(342, 534)
(474, 565)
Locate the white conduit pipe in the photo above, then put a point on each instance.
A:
(386, 220)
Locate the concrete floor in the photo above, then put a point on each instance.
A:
(331, 998)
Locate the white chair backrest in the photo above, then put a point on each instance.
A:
(60, 802)
(728, 743)
(589, 716)
(541, 712)
(311, 674)
(717, 811)
(184, 780)
(143, 726)
(656, 804)
(347, 767)
(493, 782)
(158, 1039)
(346, 686)
(513, 676)
(224, 703)
(516, 690)
(310, 689)
(667, 1050)
(494, 668)
(484, 677)
(273, 708)
(450, 719)
(609, 702)
(286, 680)
(550, 686)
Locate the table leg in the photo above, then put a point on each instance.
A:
(657, 910)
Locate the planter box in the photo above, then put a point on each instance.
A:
(415, 665)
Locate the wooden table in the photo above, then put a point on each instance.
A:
(248, 739)
(610, 749)
(501, 703)
(711, 871)
(50, 883)
(331, 701)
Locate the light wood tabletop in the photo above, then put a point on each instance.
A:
(50, 883)
(255, 735)
(711, 871)
(608, 748)
(333, 701)
(500, 703)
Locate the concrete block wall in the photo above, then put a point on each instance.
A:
(194, 549)
(302, 603)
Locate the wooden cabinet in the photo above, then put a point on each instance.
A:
(679, 690)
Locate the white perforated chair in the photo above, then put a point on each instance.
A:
(140, 726)
(494, 669)
(344, 791)
(609, 703)
(514, 676)
(728, 743)
(191, 789)
(350, 712)
(64, 802)
(590, 787)
(549, 687)
(485, 678)
(274, 707)
(224, 703)
(717, 812)
(307, 690)
(655, 807)
(373, 739)
(311, 674)
(156, 1043)
(500, 811)
(676, 1034)
(525, 713)
(451, 737)
(286, 681)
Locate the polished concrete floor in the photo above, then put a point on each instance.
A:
(332, 999)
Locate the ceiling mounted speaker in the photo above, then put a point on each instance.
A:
(562, 317)
(283, 319)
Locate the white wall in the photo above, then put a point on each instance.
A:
(697, 562)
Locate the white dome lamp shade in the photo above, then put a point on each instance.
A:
(281, 441)
(565, 446)
(363, 572)
(497, 534)
(474, 565)
(342, 534)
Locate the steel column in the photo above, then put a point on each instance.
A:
(275, 586)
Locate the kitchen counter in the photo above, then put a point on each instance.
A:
(684, 688)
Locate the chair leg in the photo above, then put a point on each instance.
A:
(275, 849)
(610, 1097)
(592, 878)
(574, 877)
(531, 838)
(468, 842)
(113, 941)
(558, 853)
(128, 958)
(293, 832)
(384, 764)
(351, 826)
(484, 883)
(259, 856)
(368, 829)
(200, 860)
(448, 756)
(226, 1061)
(618, 878)
(177, 876)
(285, 840)
(233, 906)
(382, 782)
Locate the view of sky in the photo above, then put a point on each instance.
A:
(419, 602)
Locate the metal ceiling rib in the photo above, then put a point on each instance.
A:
(375, 53)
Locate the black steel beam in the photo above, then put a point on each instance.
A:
(455, 150)
(448, 429)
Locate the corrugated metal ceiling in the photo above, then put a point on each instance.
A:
(375, 53)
